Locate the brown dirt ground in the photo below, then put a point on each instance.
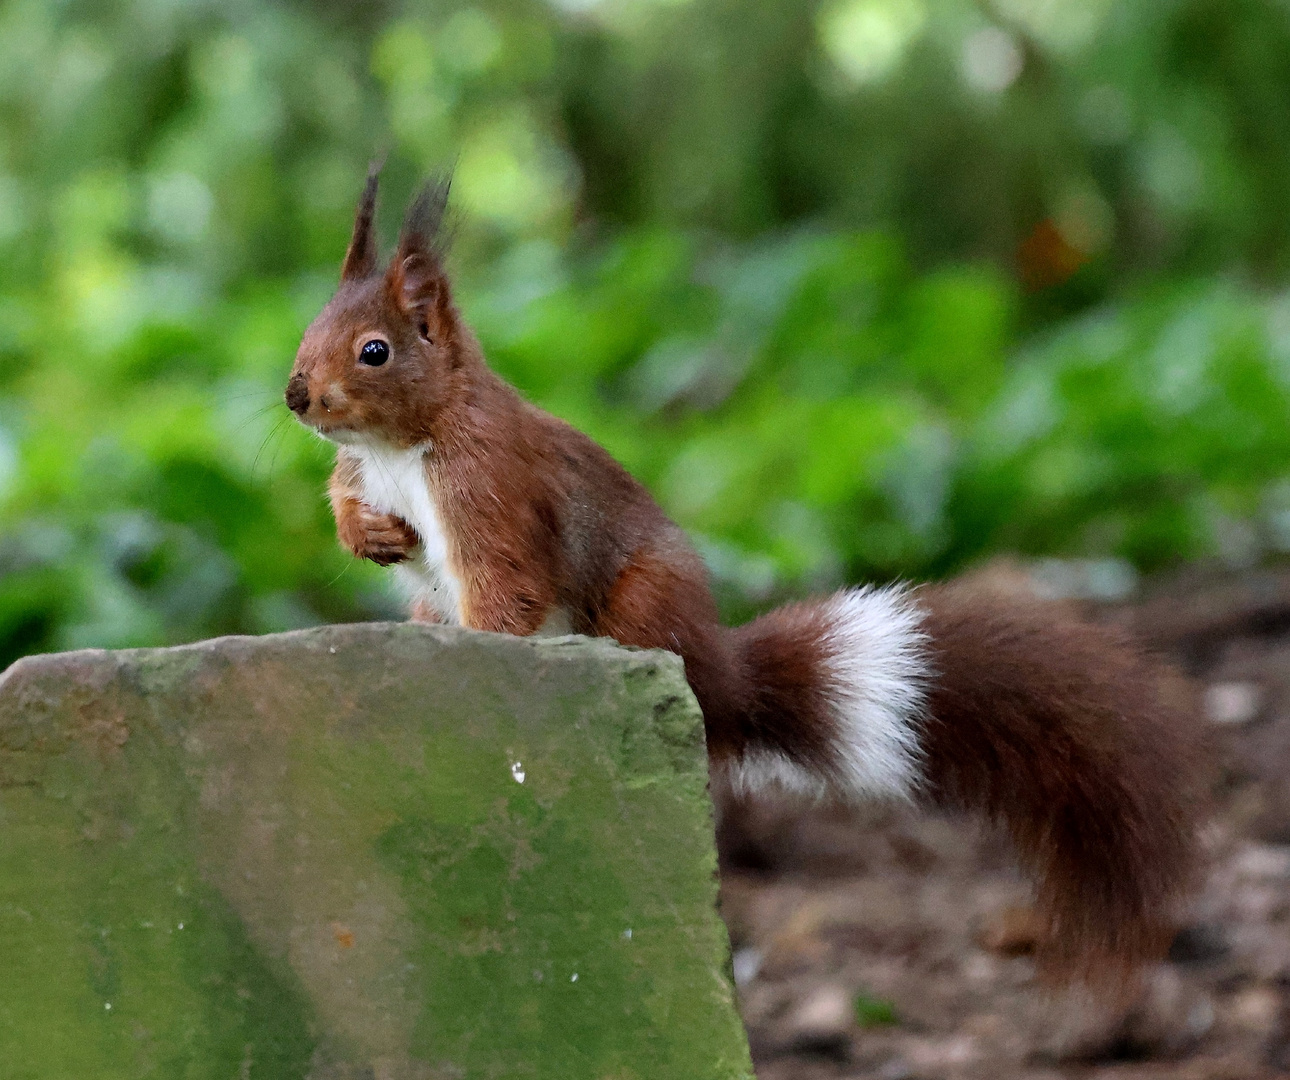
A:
(893, 945)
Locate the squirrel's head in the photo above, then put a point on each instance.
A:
(383, 356)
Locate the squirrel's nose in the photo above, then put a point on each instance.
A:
(298, 394)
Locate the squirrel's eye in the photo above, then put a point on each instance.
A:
(374, 353)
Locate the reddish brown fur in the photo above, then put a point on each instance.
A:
(1061, 734)
(1086, 750)
(788, 707)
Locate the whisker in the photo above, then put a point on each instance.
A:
(344, 570)
(273, 463)
(251, 417)
(242, 395)
(255, 462)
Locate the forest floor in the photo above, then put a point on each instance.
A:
(894, 945)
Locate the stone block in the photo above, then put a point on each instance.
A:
(378, 851)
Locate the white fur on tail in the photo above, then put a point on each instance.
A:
(879, 688)
(876, 676)
(758, 770)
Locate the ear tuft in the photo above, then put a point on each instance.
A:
(360, 259)
(416, 276)
(423, 228)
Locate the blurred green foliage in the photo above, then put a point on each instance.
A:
(860, 289)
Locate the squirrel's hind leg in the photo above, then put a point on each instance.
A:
(422, 611)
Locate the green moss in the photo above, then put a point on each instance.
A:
(120, 961)
(874, 1012)
(270, 857)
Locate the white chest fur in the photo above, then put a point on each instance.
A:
(395, 482)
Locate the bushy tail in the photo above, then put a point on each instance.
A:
(1083, 748)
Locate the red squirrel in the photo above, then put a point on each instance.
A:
(502, 517)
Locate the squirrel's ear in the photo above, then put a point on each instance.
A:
(360, 259)
(416, 276)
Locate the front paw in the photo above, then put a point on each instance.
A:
(383, 538)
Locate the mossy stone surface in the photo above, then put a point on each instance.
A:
(377, 851)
